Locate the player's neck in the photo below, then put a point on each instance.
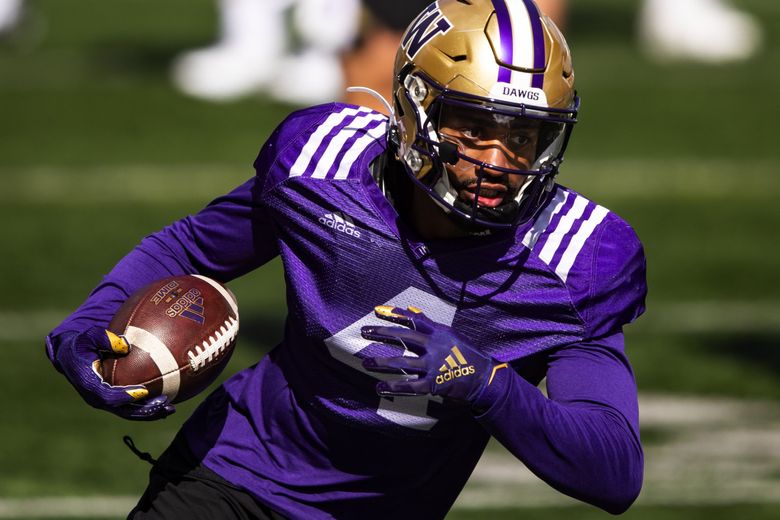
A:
(415, 207)
(429, 220)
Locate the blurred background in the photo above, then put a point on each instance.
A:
(99, 147)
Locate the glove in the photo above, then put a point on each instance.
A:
(446, 364)
(77, 356)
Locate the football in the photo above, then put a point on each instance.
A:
(181, 331)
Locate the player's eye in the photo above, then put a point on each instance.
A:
(470, 132)
(519, 140)
(474, 132)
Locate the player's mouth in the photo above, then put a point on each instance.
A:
(490, 195)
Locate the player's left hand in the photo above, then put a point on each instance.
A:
(447, 364)
(77, 354)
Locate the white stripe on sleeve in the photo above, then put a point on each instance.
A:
(357, 148)
(315, 140)
(575, 246)
(544, 218)
(564, 226)
(338, 142)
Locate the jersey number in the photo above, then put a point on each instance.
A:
(411, 412)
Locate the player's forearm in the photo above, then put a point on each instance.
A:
(228, 238)
(151, 260)
(587, 451)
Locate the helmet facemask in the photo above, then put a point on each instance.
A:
(485, 161)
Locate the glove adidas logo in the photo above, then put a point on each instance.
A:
(340, 222)
(454, 367)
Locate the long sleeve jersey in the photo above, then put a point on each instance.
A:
(304, 430)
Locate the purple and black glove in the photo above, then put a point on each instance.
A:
(77, 356)
(447, 365)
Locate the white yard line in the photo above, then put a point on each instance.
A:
(161, 183)
(711, 316)
(684, 178)
(158, 184)
(67, 507)
(714, 451)
(675, 412)
(28, 325)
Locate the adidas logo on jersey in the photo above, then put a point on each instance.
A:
(340, 222)
(454, 367)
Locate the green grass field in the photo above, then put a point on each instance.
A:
(97, 150)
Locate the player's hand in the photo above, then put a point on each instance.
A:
(78, 358)
(446, 364)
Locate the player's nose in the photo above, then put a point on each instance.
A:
(495, 154)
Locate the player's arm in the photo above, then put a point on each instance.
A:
(229, 237)
(584, 439)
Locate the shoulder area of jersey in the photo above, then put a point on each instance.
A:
(325, 142)
(571, 229)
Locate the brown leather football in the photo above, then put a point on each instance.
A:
(181, 331)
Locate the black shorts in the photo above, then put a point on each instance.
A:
(181, 487)
(394, 14)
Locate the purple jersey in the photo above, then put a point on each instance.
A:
(304, 429)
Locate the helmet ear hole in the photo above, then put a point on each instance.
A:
(403, 72)
(416, 88)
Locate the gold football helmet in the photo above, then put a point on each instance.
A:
(472, 75)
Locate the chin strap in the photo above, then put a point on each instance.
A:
(505, 213)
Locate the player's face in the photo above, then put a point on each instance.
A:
(493, 139)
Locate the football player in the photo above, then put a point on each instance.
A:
(436, 273)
